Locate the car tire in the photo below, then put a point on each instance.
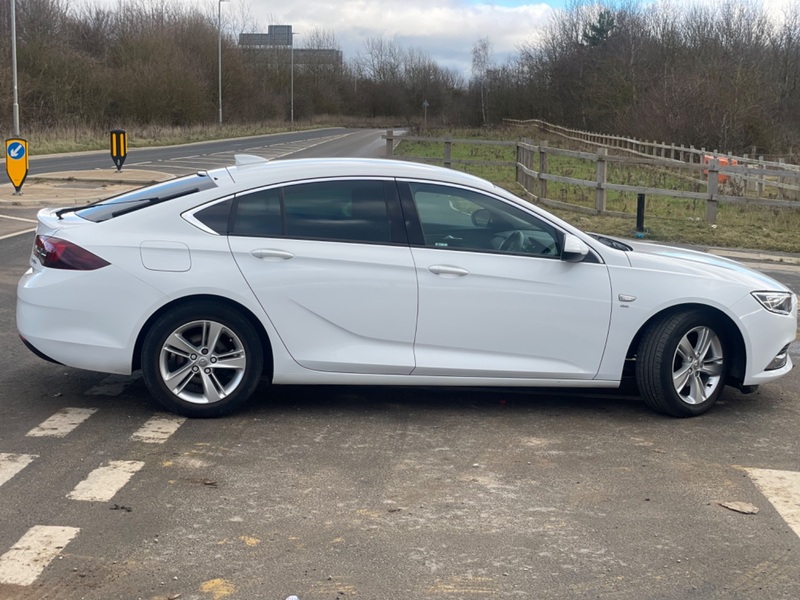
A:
(682, 363)
(202, 359)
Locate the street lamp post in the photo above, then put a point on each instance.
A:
(291, 92)
(14, 66)
(219, 56)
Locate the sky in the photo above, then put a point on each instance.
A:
(445, 29)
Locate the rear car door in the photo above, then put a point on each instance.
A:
(330, 264)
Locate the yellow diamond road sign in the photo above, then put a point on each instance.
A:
(17, 161)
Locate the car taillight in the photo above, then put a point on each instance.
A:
(56, 253)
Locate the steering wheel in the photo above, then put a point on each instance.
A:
(514, 242)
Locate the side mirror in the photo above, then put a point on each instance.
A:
(575, 250)
(482, 217)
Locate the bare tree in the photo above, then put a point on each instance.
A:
(481, 63)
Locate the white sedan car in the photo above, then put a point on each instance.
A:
(341, 271)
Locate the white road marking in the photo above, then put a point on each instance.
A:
(782, 489)
(26, 560)
(158, 429)
(62, 423)
(104, 482)
(10, 235)
(11, 464)
(18, 219)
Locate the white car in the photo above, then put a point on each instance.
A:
(340, 271)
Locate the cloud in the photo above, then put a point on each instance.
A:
(446, 29)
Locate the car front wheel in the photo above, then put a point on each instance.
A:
(202, 360)
(682, 364)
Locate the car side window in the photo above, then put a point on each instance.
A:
(460, 219)
(353, 211)
(258, 214)
(216, 216)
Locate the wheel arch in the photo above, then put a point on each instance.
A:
(222, 301)
(732, 336)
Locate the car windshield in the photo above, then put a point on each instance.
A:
(146, 196)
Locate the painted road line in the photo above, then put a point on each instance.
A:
(26, 560)
(62, 423)
(11, 464)
(104, 482)
(782, 489)
(18, 219)
(158, 429)
(15, 234)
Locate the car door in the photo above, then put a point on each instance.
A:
(330, 264)
(495, 298)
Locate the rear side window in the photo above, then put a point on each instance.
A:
(147, 196)
(258, 214)
(216, 216)
(350, 211)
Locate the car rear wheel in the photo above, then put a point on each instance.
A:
(202, 360)
(682, 364)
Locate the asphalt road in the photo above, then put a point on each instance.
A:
(180, 159)
(373, 493)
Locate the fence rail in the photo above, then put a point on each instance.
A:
(644, 148)
(533, 175)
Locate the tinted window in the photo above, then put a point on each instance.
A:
(258, 214)
(461, 219)
(215, 217)
(337, 210)
(147, 196)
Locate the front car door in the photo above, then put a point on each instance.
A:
(495, 299)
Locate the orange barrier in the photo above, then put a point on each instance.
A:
(722, 161)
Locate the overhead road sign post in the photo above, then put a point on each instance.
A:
(119, 147)
(17, 162)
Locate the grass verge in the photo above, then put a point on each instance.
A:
(667, 219)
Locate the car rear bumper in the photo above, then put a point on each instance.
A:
(80, 320)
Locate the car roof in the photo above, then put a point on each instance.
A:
(253, 171)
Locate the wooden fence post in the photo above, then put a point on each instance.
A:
(713, 190)
(529, 165)
(748, 183)
(542, 169)
(761, 177)
(389, 143)
(600, 191)
(781, 180)
(448, 151)
(524, 159)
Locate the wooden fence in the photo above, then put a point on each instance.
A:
(645, 148)
(533, 174)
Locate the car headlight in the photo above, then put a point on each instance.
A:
(777, 302)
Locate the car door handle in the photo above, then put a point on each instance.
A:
(447, 270)
(272, 254)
